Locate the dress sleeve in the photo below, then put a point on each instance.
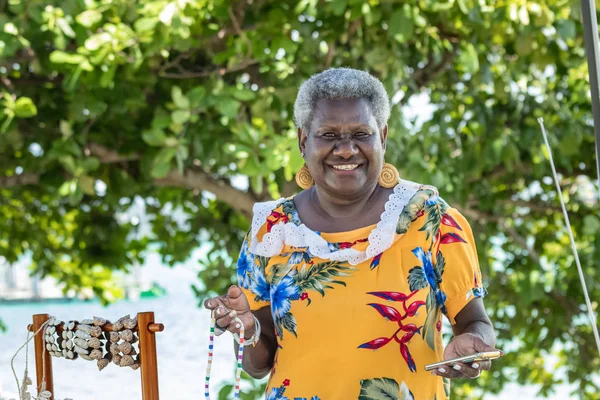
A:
(462, 280)
(251, 277)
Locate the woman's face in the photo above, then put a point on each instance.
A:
(344, 147)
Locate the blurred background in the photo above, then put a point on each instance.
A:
(135, 137)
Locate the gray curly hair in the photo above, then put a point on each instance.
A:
(341, 83)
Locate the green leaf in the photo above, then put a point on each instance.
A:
(162, 162)
(379, 389)
(89, 18)
(228, 107)
(338, 6)
(429, 328)
(416, 279)
(154, 137)
(244, 95)
(317, 276)
(401, 25)
(180, 117)
(289, 323)
(93, 43)
(469, 59)
(90, 164)
(60, 57)
(86, 183)
(25, 108)
(566, 29)
(145, 24)
(65, 27)
(65, 129)
(179, 99)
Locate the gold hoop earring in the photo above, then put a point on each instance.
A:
(389, 176)
(303, 178)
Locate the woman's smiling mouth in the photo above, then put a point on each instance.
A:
(345, 167)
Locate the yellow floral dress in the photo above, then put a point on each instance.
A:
(358, 314)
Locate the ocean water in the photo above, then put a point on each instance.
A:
(181, 347)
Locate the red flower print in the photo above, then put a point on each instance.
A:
(286, 383)
(375, 343)
(304, 296)
(393, 296)
(411, 311)
(451, 238)
(387, 312)
(407, 357)
(448, 220)
(438, 326)
(392, 314)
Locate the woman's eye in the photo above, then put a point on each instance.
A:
(329, 135)
(361, 134)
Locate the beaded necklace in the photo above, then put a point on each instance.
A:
(238, 372)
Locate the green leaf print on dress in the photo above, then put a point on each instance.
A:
(384, 389)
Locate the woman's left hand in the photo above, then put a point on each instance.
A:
(463, 345)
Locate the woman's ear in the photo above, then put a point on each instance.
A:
(301, 140)
(384, 133)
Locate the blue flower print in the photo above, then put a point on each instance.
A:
(281, 294)
(258, 283)
(245, 263)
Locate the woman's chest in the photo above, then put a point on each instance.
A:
(314, 298)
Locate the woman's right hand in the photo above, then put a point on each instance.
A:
(230, 305)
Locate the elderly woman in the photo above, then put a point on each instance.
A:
(342, 287)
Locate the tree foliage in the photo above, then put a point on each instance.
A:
(187, 105)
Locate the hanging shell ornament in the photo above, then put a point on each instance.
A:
(103, 363)
(125, 347)
(96, 331)
(81, 343)
(87, 322)
(130, 323)
(83, 335)
(84, 328)
(126, 335)
(96, 354)
(126, 361)
(99, 321)
(94, 343)
(117, 326)
(113, 337)
(114, 348)
(116, 359)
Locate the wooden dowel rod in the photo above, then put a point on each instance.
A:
(148, 361)
(43, 360)
(105, 328)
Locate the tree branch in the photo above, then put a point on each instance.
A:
(422, 76)
(508, 229)
(108, 156)
(192, 179)
(19, 180)
(200, 74)
(202, 180)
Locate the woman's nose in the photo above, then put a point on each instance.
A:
(345, 148)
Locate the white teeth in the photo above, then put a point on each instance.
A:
(348, 167)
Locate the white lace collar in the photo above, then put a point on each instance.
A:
(291, 234)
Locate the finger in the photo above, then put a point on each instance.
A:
(466, 370)
(211, 303)
(480, 346)
(228, 321)
(447, 371)
(482, 365)
(234, 292)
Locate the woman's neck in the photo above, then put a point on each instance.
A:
(334, 207)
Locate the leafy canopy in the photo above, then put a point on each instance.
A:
(186, 105)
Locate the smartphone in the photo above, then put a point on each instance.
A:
(477, 357)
